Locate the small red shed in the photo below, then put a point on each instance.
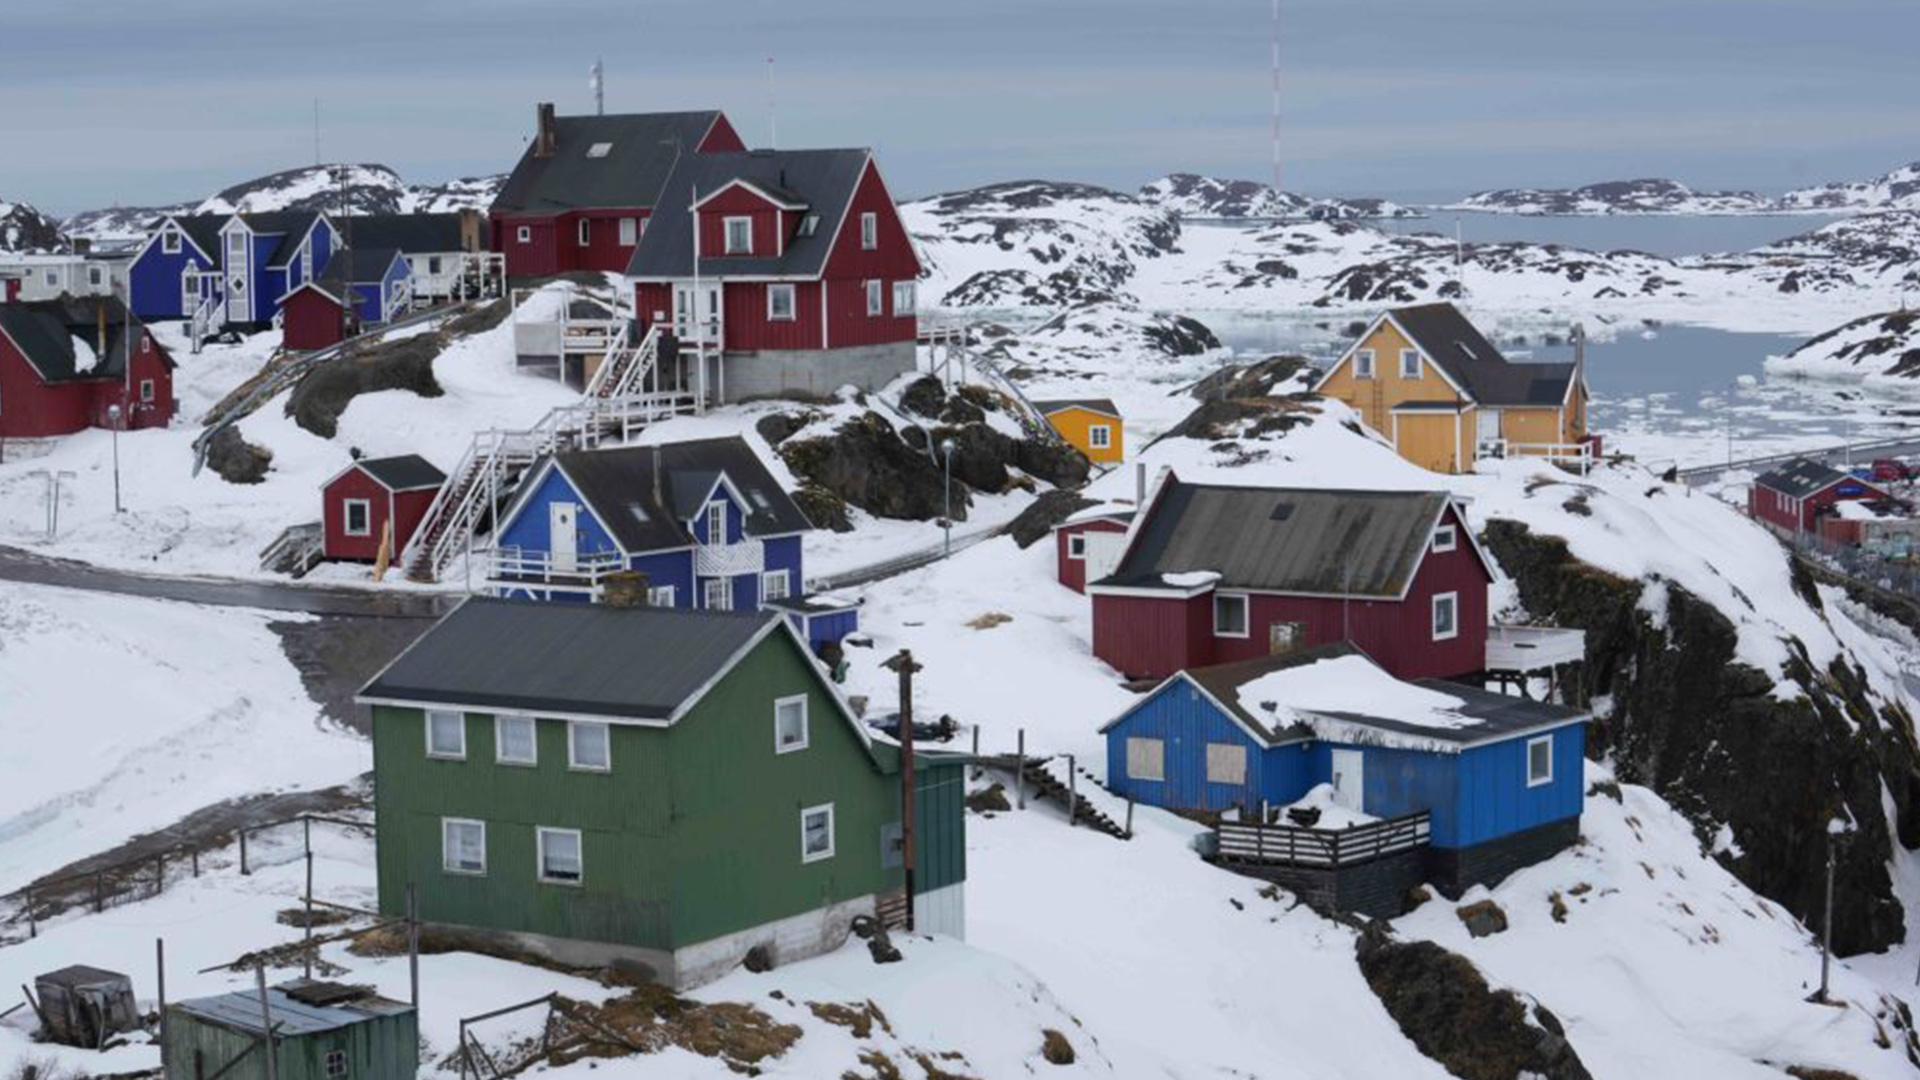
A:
(313, 318)
(1087, 546)
(1790, 499)
(361, 499)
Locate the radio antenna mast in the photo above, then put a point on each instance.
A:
(597, 81)
(316, 132)
(1276, 99)
(773, 115)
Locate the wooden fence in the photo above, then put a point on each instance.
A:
(1329, 849)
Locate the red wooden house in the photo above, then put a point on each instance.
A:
(65, 364)
(793, 264)
(362, 498)
(1211, 574)
(1087, 545)
(1791, 499)
(582, 193)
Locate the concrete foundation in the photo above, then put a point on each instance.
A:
(814, 373)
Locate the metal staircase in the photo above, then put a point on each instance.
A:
(627, 365)
(950, 350)
(204, 322)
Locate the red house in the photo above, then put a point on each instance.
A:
(582, 193)
(65, 364)
(361, 499)
(1087, 545)
(1790, 499)
(794, 265)
(1211, 574)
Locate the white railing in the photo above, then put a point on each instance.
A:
(1533, 648)
(201, 321)
(950, 354)
(1579, 455)
(514, 567)
(626, 366)
(728, 560)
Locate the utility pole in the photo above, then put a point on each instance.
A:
(597, 81)
(1275, 133)
(1826, 928)
(904, 664)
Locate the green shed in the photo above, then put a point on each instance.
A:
(322, 1031)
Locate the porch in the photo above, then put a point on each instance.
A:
(1367, 869)
(511, 569)
(1522, 649)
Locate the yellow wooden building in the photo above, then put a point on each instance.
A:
(1091, 424)
(1429, 382)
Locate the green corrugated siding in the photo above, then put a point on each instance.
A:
(940, 820)
(381, 1048)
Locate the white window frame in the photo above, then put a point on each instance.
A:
(540, 834)
(809, 224)
(1446, 538)
(500, 723)
(806, 724)
(769, 577)
(1246, 615)
(727, 246)
(869, 231)
(716, 523)
(1534, 781)
(817, 856)
(573, 747)
(94, 275)
(725, 586)
(366, 517)
(1363, 363)
(1137, 748)
(904, 298)
(1410, 371)
(447, 865)
(1100, 436)
(460, 726)
(1451, 600)
(1076, 546)
(1219, 749)
(146, 390)
(170, 242)
(523, 234)
(584, 231)
(785, 289)
(876, 300)
(660, 596)
(629, 231)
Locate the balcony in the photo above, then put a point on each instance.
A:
(508, 569)
(730, 560)
(1520, 649)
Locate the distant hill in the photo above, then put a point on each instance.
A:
(1191, 195)
(25, 229)
(1654, 196)
(1897, 190)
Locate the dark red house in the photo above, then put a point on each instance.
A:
(794, 264)
(1214, 573)
(65, 364)
(1791, 499)
(361, 499)
(1089, 545)
(582, 193)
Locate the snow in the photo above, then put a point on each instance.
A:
(1191, 579)
(1349, 684)
(1332, 814)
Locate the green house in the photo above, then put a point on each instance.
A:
(322, 1031)
(653, 787)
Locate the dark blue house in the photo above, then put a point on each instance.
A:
(266, 256)
(1470, 784)
(178, 267)
(704, 520)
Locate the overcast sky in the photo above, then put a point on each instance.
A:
(147, 101)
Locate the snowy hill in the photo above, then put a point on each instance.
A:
(1193, 196)
(118, 224)
(25, 229)
(366, 189)
(467, 193)
(1876, 349)
(1615, 197)
(1897, 190)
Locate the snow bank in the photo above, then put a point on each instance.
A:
(1349, 684)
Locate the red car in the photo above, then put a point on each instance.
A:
(1886, 470)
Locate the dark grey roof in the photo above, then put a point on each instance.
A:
(1099, 405)
(587, 659)
(641, 151)
(815, 604)
(1452, 341)
(240, 1011)
(404, 473)
(412, 234)
(1800, 477)
(202, 229)
(619, 487)
(1429, 406)
(49, 333)
(1224, 681)
(824, 180)
(290, 225)
(358, 265)
(1297, 540)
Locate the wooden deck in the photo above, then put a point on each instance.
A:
(1320, 849)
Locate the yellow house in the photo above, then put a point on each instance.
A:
(1091, 424)
(1430, 383)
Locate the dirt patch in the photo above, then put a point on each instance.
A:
(1055, 1048)
(651, 1018)
(236, 460)
(859, 1019)
(990, 620)
(1483, 918)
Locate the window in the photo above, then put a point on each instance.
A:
(1099, 436)
(599, 149)
(586, 231)
(170, 242)
(433, 264)
(588, 748)
(1076, 546)
(1540, 761)
(1230, 615)
(717, 594)
(1226, 763)
(93, 275)
(809, 224)
(1363, 364)
(775, 585)
(146, 391)
(560, 859)
(739, 235)
(446, 734)
(1146, 759)
(523, 234)
(189, 292)
(1445, 538)
(903, 297)
(869, 231)
(1446, 616)
(513, 741)
(336, 1064)
(660, 596)
(359, 517)
(463, 846)
(237, 243)
(780, 303)
(816, 833)
(53, 277)
(875, 298)
(306, 261)
(716, 523)
(146, 343)
(790, 724)
(1409, 363)
(629, 231)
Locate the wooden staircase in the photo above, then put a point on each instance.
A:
(1042, 783)
(626, 366)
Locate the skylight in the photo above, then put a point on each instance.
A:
(600, 149)
(809, 224)
(639, 512)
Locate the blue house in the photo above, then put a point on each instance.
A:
(266, 256)
(178, 268)
(704, 520)
(1423, 781)
(374, 282)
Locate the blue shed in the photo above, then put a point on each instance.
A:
(820, 617)
(1497, 778)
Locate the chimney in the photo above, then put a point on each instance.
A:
(659, 500)
(470, 231)
(1140, 484)
(624, 589)
(545, 139)
(100, 330)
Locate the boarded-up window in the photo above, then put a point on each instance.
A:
(1226, 763)
(1146, 759)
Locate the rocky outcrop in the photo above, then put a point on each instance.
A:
(24, 229)
(867, 464)
(1712, 736)
(1274, 376)
(236, 460)
(1445, 1007)
(407, 364)
(1050, 509)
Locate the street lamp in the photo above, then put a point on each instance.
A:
(946, 521)
(113, 422)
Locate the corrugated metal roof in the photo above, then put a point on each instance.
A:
(240, 1011)
(414, 234)
(618, 485)
(1295, 540)
(1800, 477)
(640, 149)
(405, 472)
(1099, 405)
(1452, 341)
(824, 180)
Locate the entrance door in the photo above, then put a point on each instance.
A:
(1103, 552)
(1348, 783)
(563, 534)
(685, 316)
(1487, 426)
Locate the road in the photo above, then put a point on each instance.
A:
(1838, 456)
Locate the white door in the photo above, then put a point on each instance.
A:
(708, 316)
(239, 274)
(1103, 553)
(1347, 780)
(1487, 426)
(563, 534)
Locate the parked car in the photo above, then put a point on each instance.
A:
(1890, 469)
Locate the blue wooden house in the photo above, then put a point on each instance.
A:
(1429, 780)
(264, 257)
(704, 520)
(178, 268)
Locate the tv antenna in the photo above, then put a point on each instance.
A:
(597, 82)
(1275, 28)
(773, 115)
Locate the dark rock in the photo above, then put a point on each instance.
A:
(776, 428)
(822, 507)
(236, 460)
(924, 396)
(1444, 1006)
(1039, 518)
(867, 465)
(407, 364)
(961, 411)
(1483, 919)
(1181, 336)
(480, 320)
(880, 946)
(989, 799)
(1261, 379)
(916, 437)
(980, 455)
(1053, 460)
(759, 959)
(1055, 1048)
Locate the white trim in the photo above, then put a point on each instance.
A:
(876, 299)
(793, 301)
(869, 227)
(583, 232)
(784, 577)
(1452, 535)
(1532, 781)
(366, 517)
(500, 757)
(726, 234)
(573, 752)
(1372, 328)
(1372, 365)
(758, 191)
(1433, 616)
(912, 306)
(806, 724)
(540, 834)
(1100, 436)
(1077, 540)
(832, 839)
(427, 716)
(725, 584)
(446, 849)
(545, 714)
(1246, 612)
(1414, 354)
(523, 234)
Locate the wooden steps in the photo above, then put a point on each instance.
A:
(1042, 783)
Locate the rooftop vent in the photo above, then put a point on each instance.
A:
(1282, 511)
(600, 149)
(639, 512)
(323, 994)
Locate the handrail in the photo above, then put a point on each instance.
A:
(1325, 848)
